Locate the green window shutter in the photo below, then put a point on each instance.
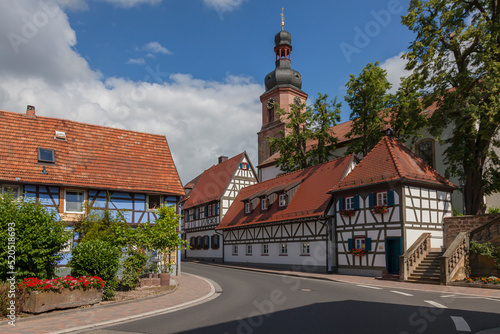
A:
(356, 202)
(241, 166)
(217, 208)
(206, 211)
(390, 197)
(341, 203)
(350, 244)
(368, 244)
(372, 199)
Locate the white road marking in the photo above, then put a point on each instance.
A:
(371, 287)
(447, 296)
(435, 304)
(497, 300)
(403, 293)
(460, 324)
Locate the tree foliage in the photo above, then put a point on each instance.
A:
(307, 139)
(34, 237)
(367, 97)
(163, 235)
(457, 54)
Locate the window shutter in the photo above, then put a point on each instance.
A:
(212, 240)
(217, 208)
(368, 244)
(207, 240)
(241, 166)
(350, 244)
(216, 240)
(390, 197)
(341, 203)
(356, 202)
(206, 211)
(372, 199)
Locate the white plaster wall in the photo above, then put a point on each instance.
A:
(205, 253)
(317, 256)
(412, 235)
(268, 173)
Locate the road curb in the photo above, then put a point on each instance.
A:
(304, 275)
(215, 291)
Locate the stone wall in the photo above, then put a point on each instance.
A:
(455, 225)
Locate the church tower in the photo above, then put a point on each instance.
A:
(283, 86)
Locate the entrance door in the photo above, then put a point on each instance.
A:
(393, 251)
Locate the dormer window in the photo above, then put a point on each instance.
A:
(248, 207)
(282, 200)
(264, 204)
(46, 155)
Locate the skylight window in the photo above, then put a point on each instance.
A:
(46, 155)
(60, 135)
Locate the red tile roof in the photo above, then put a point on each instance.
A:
(212, 183)
(390, 160)
(310, 200)
(92, 156)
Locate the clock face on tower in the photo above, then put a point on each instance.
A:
(270, 103)
(297, 101)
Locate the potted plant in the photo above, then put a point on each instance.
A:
(358, 252)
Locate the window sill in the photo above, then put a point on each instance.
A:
(264, 254)
(248, 254)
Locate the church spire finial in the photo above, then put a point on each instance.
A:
(282, 18)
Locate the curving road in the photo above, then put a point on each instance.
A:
(254, 302)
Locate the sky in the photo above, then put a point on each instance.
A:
(191, 70)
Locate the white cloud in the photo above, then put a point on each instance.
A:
(132, 3)
(223, 5)
(201, 119)
(136, 61)
(395, 67)
(156, 47)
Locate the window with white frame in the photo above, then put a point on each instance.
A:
(305, 249)
(12, 190)
(209, 210)
(244, 166)
(264, 204)
(359, 243)
(282, 200)
(265, 249)
(283, 249)
(249, 249)
(74, 200)
(153, 202)
(248, 207)
(349, 203)
(235, 249)
(381, 198)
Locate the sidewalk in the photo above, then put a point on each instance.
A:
(372, 281)
(191, 290)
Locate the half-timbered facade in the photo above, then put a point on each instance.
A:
(283, 221)
(384, 205)
(209, 197)
(69, 166)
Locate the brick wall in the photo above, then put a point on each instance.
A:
(455, 225)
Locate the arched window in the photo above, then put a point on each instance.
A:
(425, 150)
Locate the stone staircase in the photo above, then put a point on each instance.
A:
(429, 270)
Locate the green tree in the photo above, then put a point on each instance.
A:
(367, 97)
(105, 225)
(406, 117)
(307, 140)
(33, 236)
(324, 116)
(163, 235)
(457, 53)
(292, 144)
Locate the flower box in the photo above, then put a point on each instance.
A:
(347, 213)
(358, 252)
(380, 209)
(44, 301)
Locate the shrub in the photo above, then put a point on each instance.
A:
(486, 249)
(33, 235)
(97, 258)
(494, 209)
(133, 267)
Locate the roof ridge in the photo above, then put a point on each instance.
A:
(305, 168)
(18, 114)
(393, 156)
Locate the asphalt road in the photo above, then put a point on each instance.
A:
(254, 302)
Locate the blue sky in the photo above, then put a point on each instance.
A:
(191, 70)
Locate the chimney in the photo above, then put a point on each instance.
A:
(30, 111)
(222, 159)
